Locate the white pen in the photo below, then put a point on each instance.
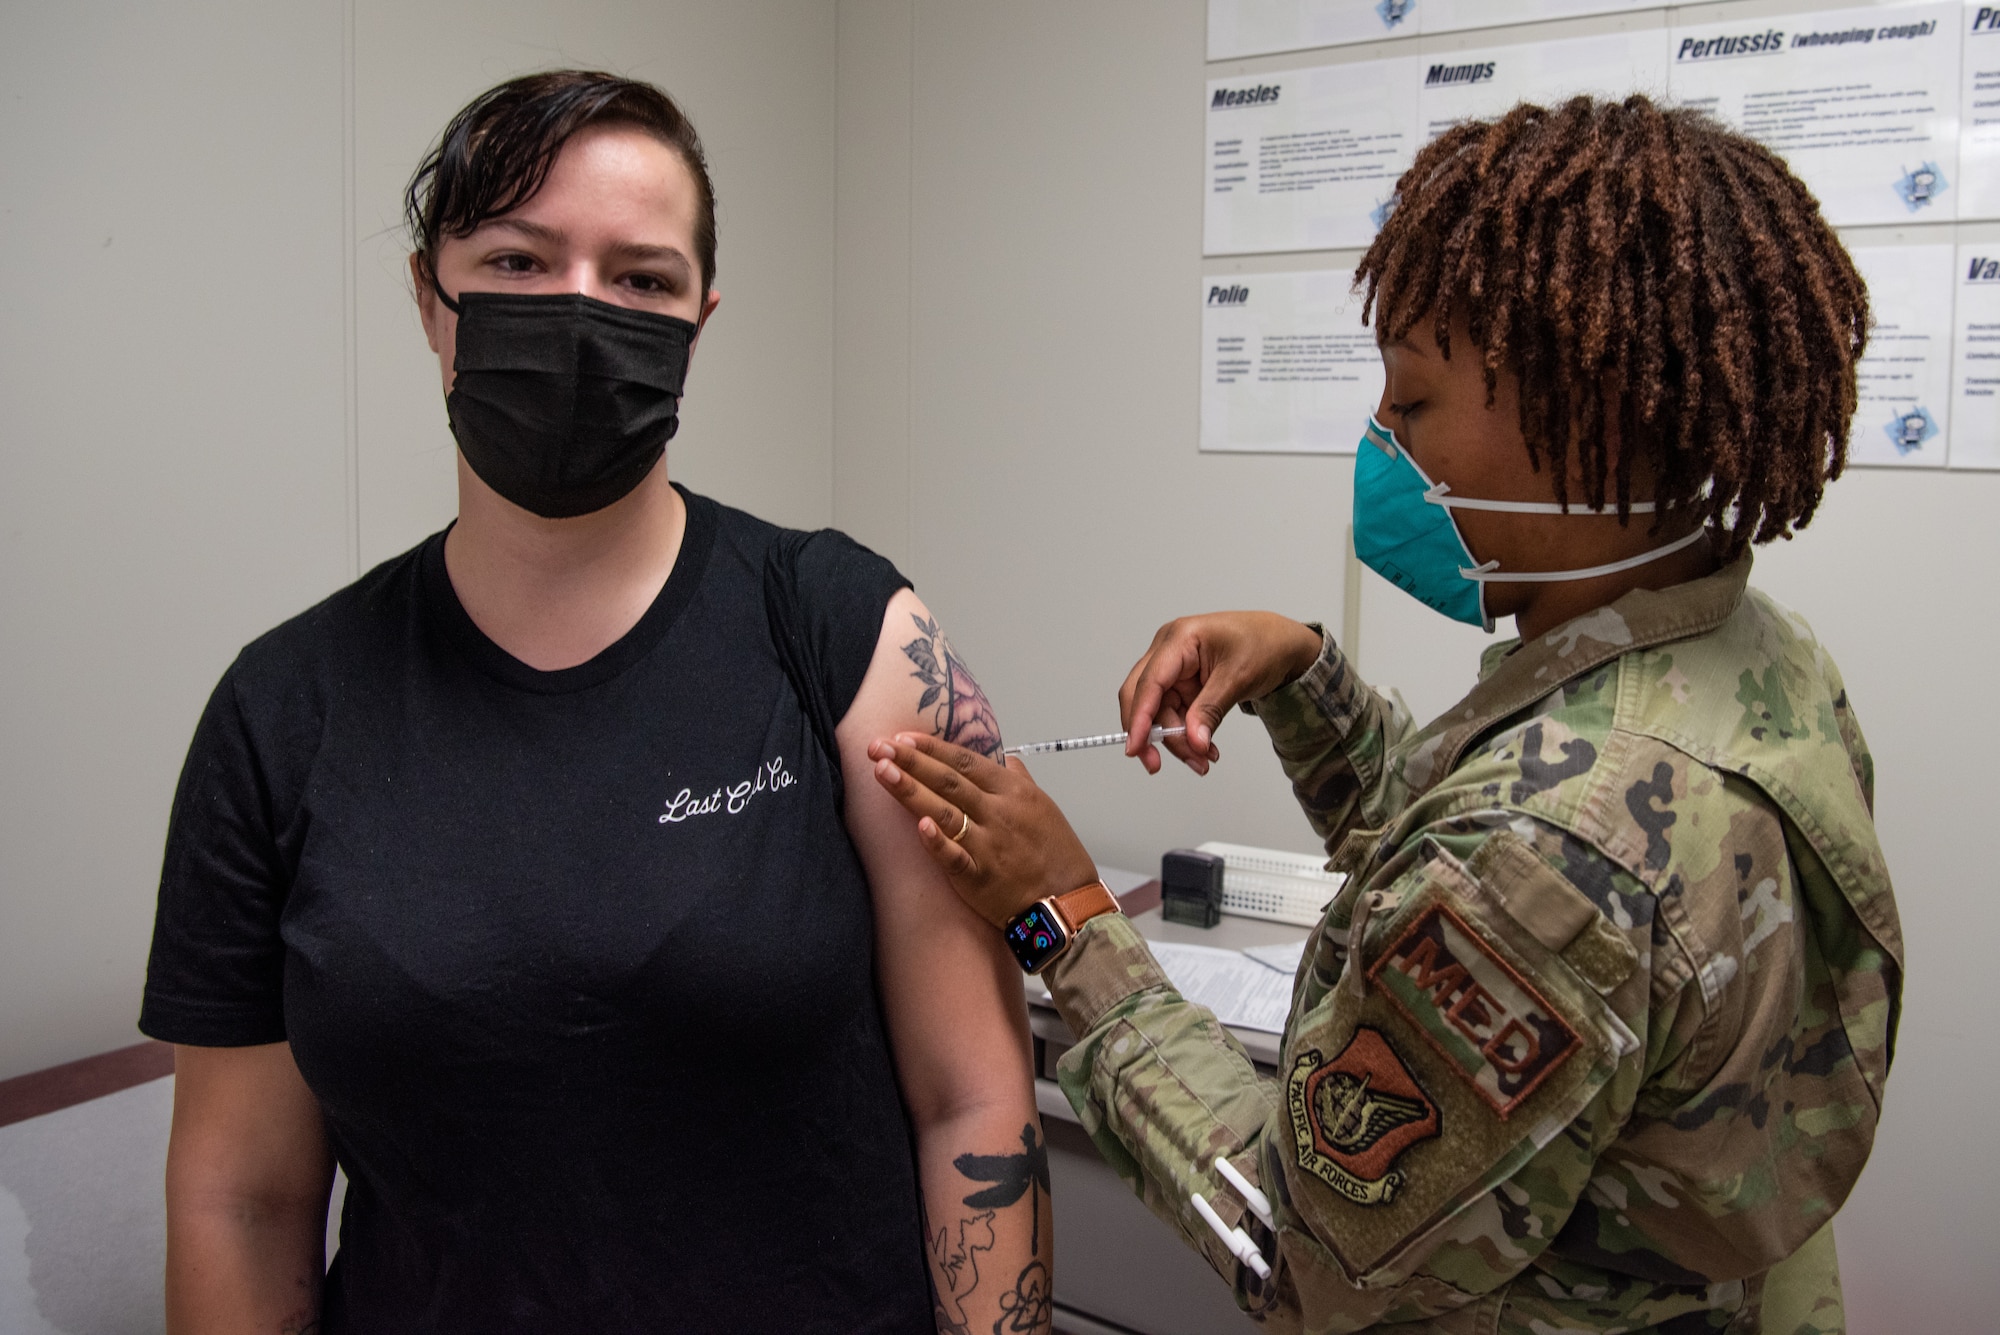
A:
(1259, 1203)
(1084, 743)
(1235, 1239)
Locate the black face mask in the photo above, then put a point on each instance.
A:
(563, 404)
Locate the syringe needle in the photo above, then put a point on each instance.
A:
(1085, 743)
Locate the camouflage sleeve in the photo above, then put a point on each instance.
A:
(1332, 732)
(1157, 1081)
(1444, 1093)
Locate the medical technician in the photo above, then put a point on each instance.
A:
(1594, 1038)
(538, 877)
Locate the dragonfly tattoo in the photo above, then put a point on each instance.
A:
(1013, 1176)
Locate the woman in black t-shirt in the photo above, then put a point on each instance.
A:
(537, 878)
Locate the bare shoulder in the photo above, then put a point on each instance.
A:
(918, 682)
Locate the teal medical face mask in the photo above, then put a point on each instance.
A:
(1404, 532)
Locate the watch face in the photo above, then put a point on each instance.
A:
(1036, 937)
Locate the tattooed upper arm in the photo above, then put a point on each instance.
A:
(956, 707)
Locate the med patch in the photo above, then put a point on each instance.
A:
(1353, 1117)
(1466, 1044)
(1491, 1025)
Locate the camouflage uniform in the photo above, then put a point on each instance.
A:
(1595, 1036)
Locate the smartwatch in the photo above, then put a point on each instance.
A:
(1039, 934)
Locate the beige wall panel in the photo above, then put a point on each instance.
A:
(871, 343)
(757, 78)
(173, 472)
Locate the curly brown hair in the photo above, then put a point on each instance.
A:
(1643, 266)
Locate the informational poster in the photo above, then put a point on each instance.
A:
(1307, 159)
(1453, 15)
(1463, 85)
(1891, 114)
(1239, 28)
(1979, 114)
(1904, 415)
(1286, 364)
(1256, 27)
(1975, 369)
(1863, 103)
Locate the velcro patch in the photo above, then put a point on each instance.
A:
(1353, 1117)
(1492, 1026)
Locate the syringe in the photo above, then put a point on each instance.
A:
(1084, 743)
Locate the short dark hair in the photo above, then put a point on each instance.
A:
(1647, 267)
(498, 151)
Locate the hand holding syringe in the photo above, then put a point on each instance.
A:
(1084, 743)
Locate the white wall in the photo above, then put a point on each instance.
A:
(1020, 211)
(173, 456)
(216, 405)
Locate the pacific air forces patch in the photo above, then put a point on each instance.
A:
(1354, 1116)
(1487, 1020)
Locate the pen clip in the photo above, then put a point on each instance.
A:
(1259, 1203)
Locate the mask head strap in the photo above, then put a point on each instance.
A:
(1440, 493)
(1490, 572)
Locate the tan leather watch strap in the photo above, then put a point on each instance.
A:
(1084, 903)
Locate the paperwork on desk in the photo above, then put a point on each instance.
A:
(1250, 989)
(1241, 991)
(1284, 957)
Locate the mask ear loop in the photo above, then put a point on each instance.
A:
(442, 295)
(1489, 572)
(1383, 439)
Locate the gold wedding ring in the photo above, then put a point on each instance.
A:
(964, 824)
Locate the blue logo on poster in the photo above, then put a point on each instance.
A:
(1393, 12)
(1909, 430)
(1918, 188)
